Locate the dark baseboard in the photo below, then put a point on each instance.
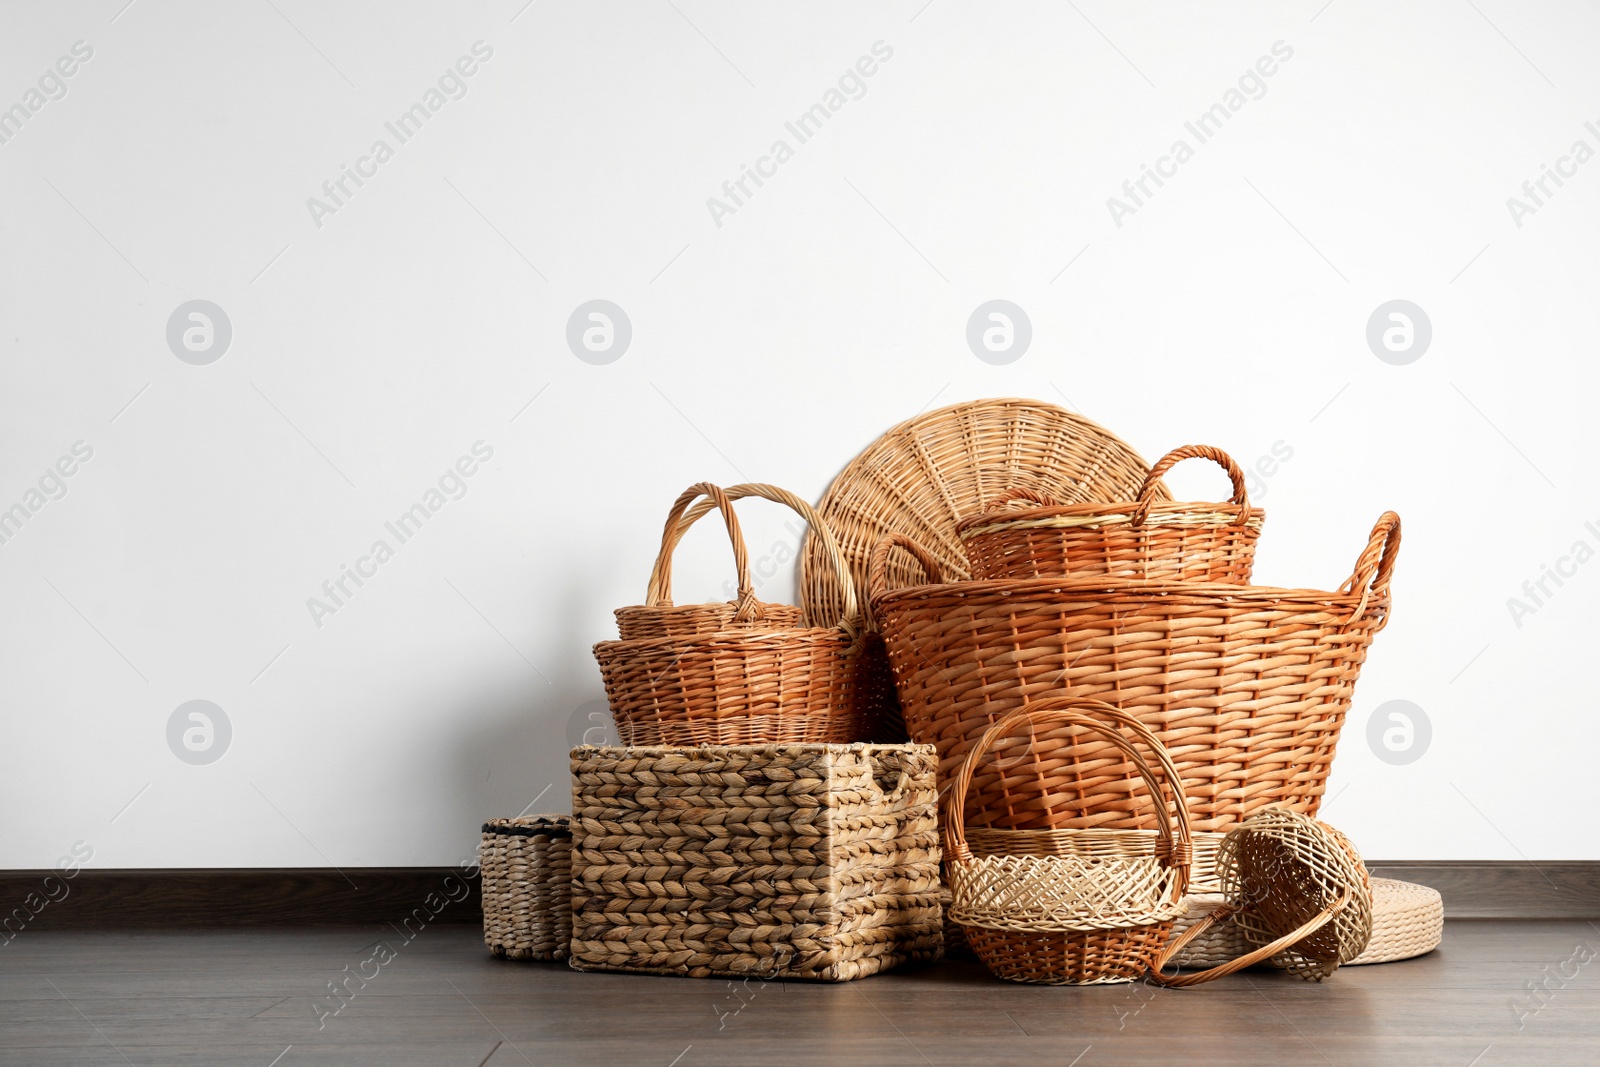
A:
(1475, 889)
(236, 897)
(323, 896)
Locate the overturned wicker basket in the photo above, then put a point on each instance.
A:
(746, 684)
(1146, 539)
(1088, 909)
(1247, 687)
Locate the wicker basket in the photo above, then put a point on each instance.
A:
(658, 616)
(1137, 540)
(1297, 893)
(780, 861)
(1247, 687)
(749, 685)
(922, 476)
(1087, 910)
(526, 865)
(1407, 921)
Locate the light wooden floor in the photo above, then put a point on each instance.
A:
(227, 997)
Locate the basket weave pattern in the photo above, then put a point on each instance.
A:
(526, 866)
(791, 861)
(1246, 687)
(1140, 540)
(1076, 912)
(754, 683)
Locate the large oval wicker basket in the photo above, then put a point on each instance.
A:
(1144, 539)
(1247, 687)
(747, 684)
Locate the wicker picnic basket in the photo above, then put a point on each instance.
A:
(1297, 893)
(1139, 540)
(748, 684)
(1246, 686)
(1088, 910)
(526, 867)
(775, 861)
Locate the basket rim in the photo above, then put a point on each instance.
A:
(731, 639)
(530, 826)
(775, 748)
(1119, 514)
(1125, 589)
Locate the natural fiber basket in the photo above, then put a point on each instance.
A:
(526, 866)
(1086, 911)
(748, 685)
(779, 861)
(1407, 921)
(1247, 687)
(658, 616)
(923, 476)
(1139, 540)
(1296, 891)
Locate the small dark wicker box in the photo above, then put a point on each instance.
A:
(527, 887)
(783, 861)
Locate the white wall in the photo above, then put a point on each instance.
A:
(371, 351)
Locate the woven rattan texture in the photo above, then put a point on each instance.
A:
(1135, 540)
(1072, 907)
(789, 861)
(924, 475)
(1280, 869)
(1247, 688)
(756, 683)
(1407, 921)
(526, 866)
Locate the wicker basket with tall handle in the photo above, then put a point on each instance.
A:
(658, 616)
(1079, 914)
(1246, 686)
(1145, 539)
(747, 685)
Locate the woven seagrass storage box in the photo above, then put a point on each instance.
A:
(781, 861)
(526, 865)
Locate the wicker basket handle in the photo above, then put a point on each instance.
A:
(1020, 492)
(659, 593)
(1375, 566)
(850, 618)
(1249, 959)
(1115, 725)
(1147, 494)
(878, 567)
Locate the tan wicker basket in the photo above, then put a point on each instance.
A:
(526, 866)
(1407, 921)
(1247, 687)
(1087, 909)
(780, 861)
(1296, 891)
(923, 475)
(1137, 540)
(748, 685)
(658, 616)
